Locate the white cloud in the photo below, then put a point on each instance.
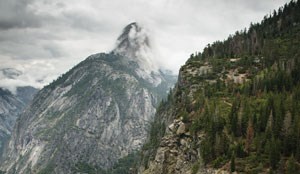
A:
(36, 73)
(58, 34)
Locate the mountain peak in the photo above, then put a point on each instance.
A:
(132, 40)
(134, 43)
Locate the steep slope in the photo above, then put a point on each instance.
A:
(10, 107)
(26, 93)
(12, 102)
(90, 117)
(235, 106)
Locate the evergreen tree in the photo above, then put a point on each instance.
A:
(249, 136)
(233, 117)
(232, 162)
(245, 117)
(274, 154)
(206, 151)
(291, 166)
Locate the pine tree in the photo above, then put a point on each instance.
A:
(274, 155)
(233, 117)
(270, 121)
(245, 117)
(291, 166)
(249, 136)
(288, 141)
(206, 151)
(232, 162)
(287, 123)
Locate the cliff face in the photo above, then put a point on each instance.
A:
(91, 116)
(235, 107)
(11, 105)
(172, 147)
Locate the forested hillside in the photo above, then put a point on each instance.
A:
(236, 106)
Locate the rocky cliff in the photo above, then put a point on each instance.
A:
(235, 107)
(172, 147)
(96, 113)
(11, 105)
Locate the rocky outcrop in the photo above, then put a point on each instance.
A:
(174, 154)
(11, 105)
(178, 153)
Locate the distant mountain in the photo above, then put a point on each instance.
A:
(26, 93)
(95, 114)
(10, 107)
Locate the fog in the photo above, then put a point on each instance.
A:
(45, 38)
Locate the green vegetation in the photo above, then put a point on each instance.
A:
(48, 169)
(87, 168)
(247, 103)
(291, 166)
(126, 165)
(157, 130)
(232, 162)
(195, 167)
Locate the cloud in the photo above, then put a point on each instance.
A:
(36, 73)
(59, 34)
(16, 14)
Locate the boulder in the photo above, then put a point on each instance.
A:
(172, 127)
(181, 128)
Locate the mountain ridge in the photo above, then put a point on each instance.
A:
(91, 116)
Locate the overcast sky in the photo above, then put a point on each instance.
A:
(45, 38)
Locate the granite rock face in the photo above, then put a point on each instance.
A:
(176, 149)
(11, 105)
(177, 153)
(91, 116)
